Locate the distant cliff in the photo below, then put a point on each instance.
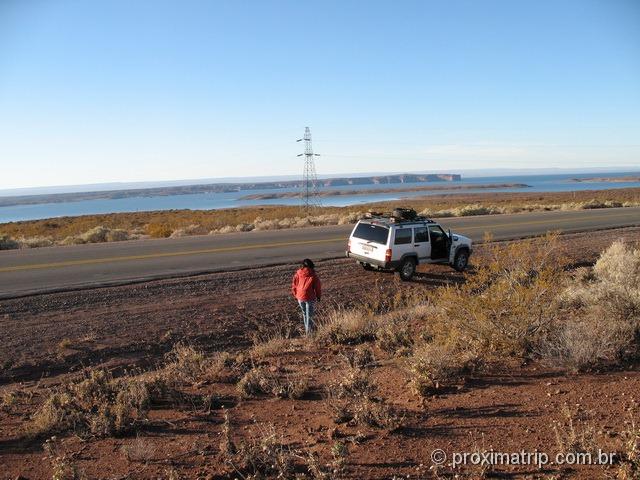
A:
(222, 188)
(386, 179)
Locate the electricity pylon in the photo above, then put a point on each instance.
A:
(309, 194)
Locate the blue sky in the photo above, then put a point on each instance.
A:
(161, 90)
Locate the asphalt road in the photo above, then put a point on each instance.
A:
(38, 270)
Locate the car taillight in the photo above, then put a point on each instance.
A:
(387, 255)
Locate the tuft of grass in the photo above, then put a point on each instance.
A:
(140, 450)
(64, 344)
(8, 399)
(347, 327)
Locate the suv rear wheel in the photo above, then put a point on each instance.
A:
(407, 269)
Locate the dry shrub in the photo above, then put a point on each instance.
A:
(62, 465)
(350, 218)
(117, 235)
(221, 363)
(588, 341)
(348, 327)
(8, 243)
(99, 405)
(193, 229)
(159, 230)
(71, 240)
(476, 209)
(95, 235)
(35, 242)
(8, 399)
(184, 364)
(508, 304)
(355, 383)
(394, 334)
(260, 381)
(267, 225)
(293, 386)
(575, 432)
(244, 227)
(629, 468)
(377, 414)
(254, 382)
(599, 204)
(360, 357)
(352, 399)
(262, 456)
(59, 413)
(602, 310)
(225, 229)
(278, 223)
(271, 344)
(98, 234)
(434, 366)
(395, 339)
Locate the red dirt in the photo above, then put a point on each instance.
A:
(49, 336)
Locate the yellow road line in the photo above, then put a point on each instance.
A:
(91, 261)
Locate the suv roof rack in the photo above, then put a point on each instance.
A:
(389, 217)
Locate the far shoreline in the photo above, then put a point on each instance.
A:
(629, 178)
(336, 193)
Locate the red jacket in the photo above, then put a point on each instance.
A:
(306, 285)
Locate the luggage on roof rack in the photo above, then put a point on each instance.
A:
(399, 215)
(404, 213)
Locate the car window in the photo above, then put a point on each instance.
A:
(372, 233)
(420, 234)
(437, 233)
(403, 236)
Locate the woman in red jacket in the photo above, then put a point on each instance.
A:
(306, 288)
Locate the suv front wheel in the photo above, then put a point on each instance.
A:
(407, 269)
(461, 261)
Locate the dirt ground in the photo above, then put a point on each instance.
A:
(46, 339)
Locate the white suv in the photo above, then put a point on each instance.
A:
(397, 243)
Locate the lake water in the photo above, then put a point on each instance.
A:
(207, 201)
